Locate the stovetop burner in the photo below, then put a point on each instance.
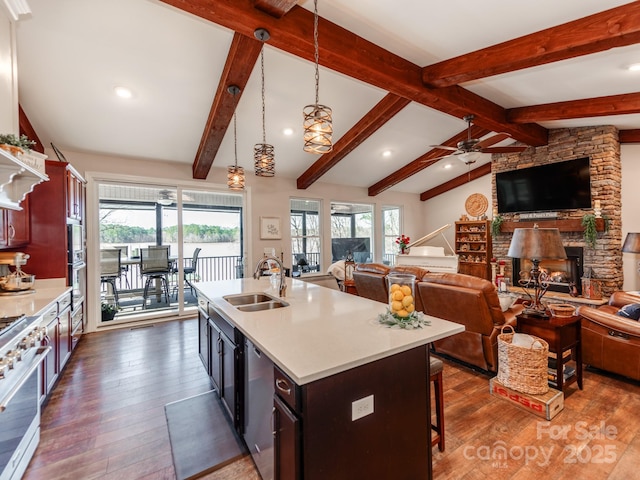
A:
(7, 322)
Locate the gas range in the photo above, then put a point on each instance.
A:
(8, 323)
(14, 331)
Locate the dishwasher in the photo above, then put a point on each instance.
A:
(258, 432)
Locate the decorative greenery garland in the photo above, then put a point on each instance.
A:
(413, 321)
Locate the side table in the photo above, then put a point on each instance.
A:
(562, 334)
(349, 286)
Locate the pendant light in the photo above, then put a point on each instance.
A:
(263, 154)
(235, 174)
(317, 118)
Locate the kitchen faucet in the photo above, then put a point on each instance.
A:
(282, 288)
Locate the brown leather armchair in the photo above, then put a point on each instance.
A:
(472, 302)
(611, 342)
(371, 281)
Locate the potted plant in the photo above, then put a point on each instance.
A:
(108, 311)
(15, 144)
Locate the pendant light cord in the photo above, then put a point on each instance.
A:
(264, 135)
(235, 140)
(315, 44)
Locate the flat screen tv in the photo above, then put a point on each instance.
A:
(555, 186)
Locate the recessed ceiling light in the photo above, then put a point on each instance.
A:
(288, 131)
(447, 165)
(634, 67)
(386, 153)
(123, 92)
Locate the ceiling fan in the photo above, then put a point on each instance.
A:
(469, 150)
(168, 197)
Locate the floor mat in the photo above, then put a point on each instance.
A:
(202, 438)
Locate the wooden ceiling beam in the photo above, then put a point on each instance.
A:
(242, 56)
(588, 107)
(602, 31)
(474, 174)
(347, 53)
(629, 136)
(380, 114)
(275, 8)
(424, 161)
(27, 129)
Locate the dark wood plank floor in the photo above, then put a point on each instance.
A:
(106, 419)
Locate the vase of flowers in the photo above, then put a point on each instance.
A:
(403, 243)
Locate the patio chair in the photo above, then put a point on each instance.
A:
(110, 269)
(189, 271)
(155, 266)
(124, 269)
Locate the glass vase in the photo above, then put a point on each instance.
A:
(401, 294)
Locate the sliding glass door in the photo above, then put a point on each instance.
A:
(167, 239)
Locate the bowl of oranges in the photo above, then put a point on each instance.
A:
(401, 295)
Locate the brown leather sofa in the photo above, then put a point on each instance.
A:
(611, 342)
(472, 302)
(371, 281)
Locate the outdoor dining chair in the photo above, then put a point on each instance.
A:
(155, 266)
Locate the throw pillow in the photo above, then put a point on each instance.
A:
(631, 311)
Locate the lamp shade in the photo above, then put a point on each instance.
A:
(632, 243)
(537, 244)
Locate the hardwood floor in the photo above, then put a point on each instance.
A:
(106, 419)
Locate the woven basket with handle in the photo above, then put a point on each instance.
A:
(522, 368)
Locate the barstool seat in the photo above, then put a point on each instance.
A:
(437, 431)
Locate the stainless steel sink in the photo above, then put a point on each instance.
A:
(248, 298)
(255, 302)
(258, 307)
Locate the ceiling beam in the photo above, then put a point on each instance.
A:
(588, 107)
(27, 129)
(347, 53)
(612, 28)
(424, 161)
(242, 56)
(629, 136)
(384, 111)
(275, 8)
(474, 174)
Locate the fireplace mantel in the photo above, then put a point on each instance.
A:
(564, 225)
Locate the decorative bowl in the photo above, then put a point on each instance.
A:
(562, 309)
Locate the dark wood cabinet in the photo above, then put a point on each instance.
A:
(75, 195)
(57, 320)
(474, 247)
(204, 347)
(226, 368)
(15, 225)
(319, 433)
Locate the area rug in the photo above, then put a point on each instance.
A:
(202, 438)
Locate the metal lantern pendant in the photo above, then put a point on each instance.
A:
(235, 174)
(318, 124)
(263, 154)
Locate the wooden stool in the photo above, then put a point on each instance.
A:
(436, 367)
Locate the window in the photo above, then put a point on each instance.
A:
(352, 231)
(391, 231)
(305, 236)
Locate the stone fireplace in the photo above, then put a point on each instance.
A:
(601, 145)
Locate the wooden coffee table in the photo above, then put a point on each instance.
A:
(562, 334)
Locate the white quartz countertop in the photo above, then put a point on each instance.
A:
(33, 303)
(323, 331)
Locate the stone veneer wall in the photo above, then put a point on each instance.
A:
(601, 145)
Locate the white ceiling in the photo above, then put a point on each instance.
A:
(72, 53)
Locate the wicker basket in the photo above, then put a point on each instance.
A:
(522, 368)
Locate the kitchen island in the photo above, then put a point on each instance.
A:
(351, 395)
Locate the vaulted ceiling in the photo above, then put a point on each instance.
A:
(399, 76)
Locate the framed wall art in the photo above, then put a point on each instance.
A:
(270, 228)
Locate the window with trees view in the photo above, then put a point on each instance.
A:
(352, 231)
(305, 236)
(391, 231)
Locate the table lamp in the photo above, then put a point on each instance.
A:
(536, 244)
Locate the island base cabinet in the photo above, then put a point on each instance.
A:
(287, 442)
(320, 436)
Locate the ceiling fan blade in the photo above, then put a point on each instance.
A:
(487, 142)
(513, 149)
(444, 147)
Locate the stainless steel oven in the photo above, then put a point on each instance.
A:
(20, 356)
